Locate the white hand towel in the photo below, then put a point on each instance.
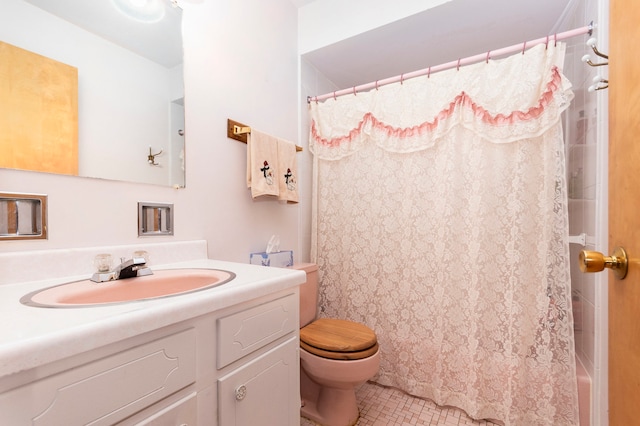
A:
(262, 164)
(288, 167)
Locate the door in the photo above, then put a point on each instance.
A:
(624, 210)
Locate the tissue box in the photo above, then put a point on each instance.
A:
(279, 259)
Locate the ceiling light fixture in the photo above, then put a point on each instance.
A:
(141, 10)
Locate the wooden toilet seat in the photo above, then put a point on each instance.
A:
(338, 339)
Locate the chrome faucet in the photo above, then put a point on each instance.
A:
(134, 267)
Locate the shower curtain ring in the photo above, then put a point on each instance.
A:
(401, 79)
(524, 47)
(376, 84)
(458, 67)
(354, 91)
(555, 40)
(488, 56)
(429, 73)
(546, 44)
(334, 96)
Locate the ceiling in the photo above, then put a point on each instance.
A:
(453, 30)
(159, 41)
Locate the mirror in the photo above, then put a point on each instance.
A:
(128, 57)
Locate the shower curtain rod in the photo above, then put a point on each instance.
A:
(456, 64)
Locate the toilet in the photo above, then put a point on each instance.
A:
(335, 357)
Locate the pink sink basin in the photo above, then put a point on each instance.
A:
(165, 283)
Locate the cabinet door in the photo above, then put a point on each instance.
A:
(107, 390)
(265, 391)
(247, 331)
(180, 413)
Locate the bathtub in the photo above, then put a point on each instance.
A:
(584, 394)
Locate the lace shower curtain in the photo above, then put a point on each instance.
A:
(440, 221)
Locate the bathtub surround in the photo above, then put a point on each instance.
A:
(587, 147)
(448, 197)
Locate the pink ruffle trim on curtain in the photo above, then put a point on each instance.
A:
(462, 100)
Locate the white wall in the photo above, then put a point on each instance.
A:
(240, 63)
(312, 82)
(330, 21)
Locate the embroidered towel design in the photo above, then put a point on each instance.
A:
(288, 167)
(262, 164)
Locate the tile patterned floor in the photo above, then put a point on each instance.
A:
(381, 406)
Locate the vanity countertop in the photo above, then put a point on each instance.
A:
(33, 336)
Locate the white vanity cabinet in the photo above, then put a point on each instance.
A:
(260, 393)
(106, 390)
(236, 365)
(263, 391)
(180, 413)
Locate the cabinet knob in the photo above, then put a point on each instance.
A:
(241, 392)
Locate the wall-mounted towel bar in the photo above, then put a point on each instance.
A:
(239, 132)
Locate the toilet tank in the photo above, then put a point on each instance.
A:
(308, 293)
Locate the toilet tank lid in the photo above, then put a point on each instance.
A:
(307, 267)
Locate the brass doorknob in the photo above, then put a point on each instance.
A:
(593, 261)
